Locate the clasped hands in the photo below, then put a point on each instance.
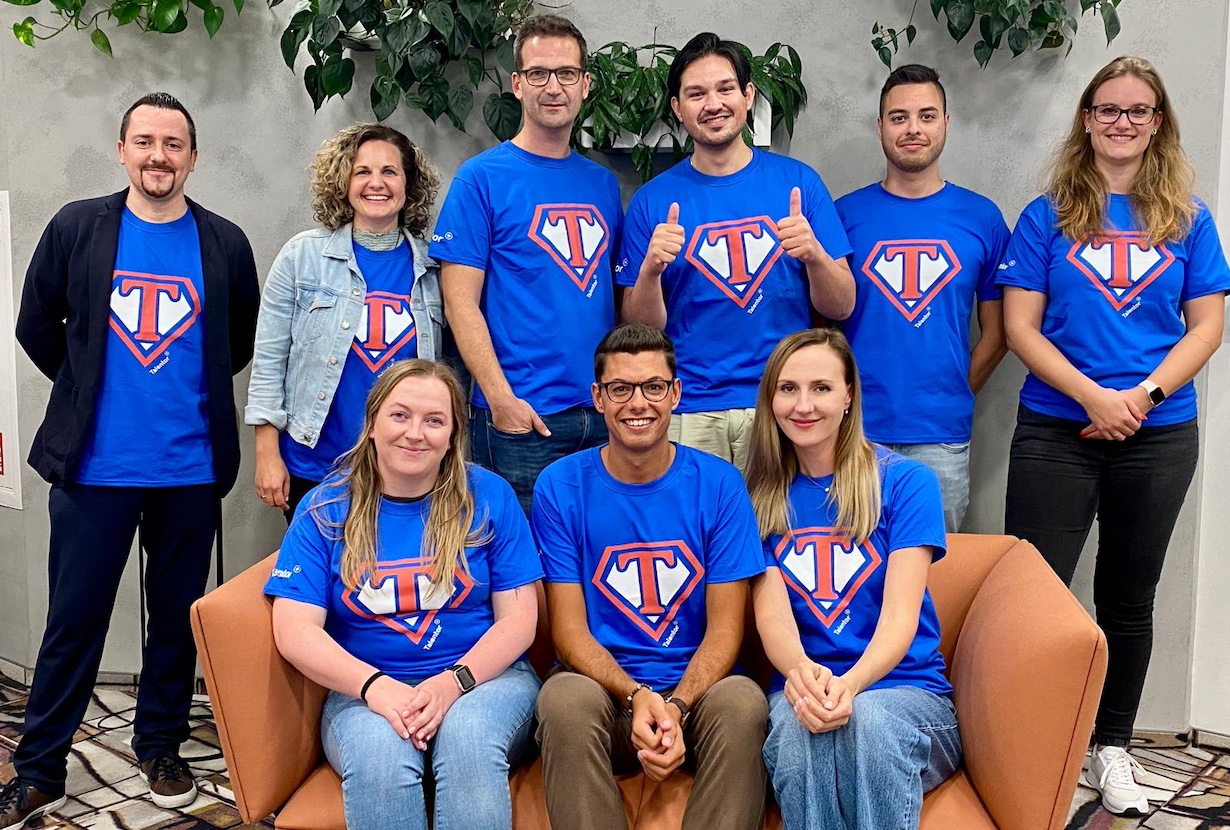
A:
(657, 735)
(822, 701)
(414, 712)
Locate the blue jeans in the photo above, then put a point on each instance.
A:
(869, 774)
(484, 735)
(520, 458)
(950, 463)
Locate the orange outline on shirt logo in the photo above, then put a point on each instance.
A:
(148, 307)
(376, 359)
(579, 268)
(931, 249)
(1120, 264)
(740, 270)
(405, 573)
(651, 616)
(823, 540)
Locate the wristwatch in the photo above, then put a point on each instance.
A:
(465, 677)
(1155, 393)
(685, 711)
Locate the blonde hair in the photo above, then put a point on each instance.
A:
(450, 527)
(773, 463)
(331, 178)
(1161, 194)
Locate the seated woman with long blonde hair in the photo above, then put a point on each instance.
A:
(406, 586)
(861, 717)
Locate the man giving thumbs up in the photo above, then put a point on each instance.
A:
(762, 246)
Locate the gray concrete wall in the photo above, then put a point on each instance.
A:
(258, 132)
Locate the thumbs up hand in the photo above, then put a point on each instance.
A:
(795, 233)
(665, 244)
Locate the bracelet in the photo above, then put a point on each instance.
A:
(368, 684)
(632, 694)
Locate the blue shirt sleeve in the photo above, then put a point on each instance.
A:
(513, 560)
(1026, 261)
(466, 222)
(561, 558)
(1207, 271)
(913, 508)
(634, 244)
(734, 547)
(305, 561)
(823, 218)
(997, 245)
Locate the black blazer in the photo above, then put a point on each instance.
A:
(63, 321)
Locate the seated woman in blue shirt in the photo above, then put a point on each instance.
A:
(406, 586)
(343, 301)
(861, 717)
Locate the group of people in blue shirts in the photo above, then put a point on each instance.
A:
(448, 414)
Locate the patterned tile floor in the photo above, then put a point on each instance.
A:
(1188, 787)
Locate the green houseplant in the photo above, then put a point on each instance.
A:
(1017, 24)
(165, 16)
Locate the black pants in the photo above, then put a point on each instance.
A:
(91, 533)
(1057, 483)
(299, 488)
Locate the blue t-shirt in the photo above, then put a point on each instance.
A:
(918, 265)
(385, 334)
(836, 587)
(1114, 306)
(151, 421)
(643, 553)
(732, 293)
(395, 621)
(546, 232)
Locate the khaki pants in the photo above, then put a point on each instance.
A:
(726, 433)
(586, 739)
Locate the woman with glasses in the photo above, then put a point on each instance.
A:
(342, 302)
(406, 586)
(861, 719)
(1114, 292)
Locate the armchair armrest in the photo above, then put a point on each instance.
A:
(1027, 674)
(268, 714)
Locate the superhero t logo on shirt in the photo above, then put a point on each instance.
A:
(385, 327)
(824, 567)
(735, 256)
(149, 312)
(649, 581)
(400, 595)
(911, 272)
(1120, 265)
(575, 236)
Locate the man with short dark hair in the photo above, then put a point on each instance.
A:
(924, 251)
(647, 548)
(139, 306)
(730, 250)
(526, 240)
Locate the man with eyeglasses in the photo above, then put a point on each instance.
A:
(925, 251)
(647, 547)
(730, 250)
(526, 240)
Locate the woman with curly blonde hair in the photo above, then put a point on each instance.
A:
(1114, 293)
(342, 302)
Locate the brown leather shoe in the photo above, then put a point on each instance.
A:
(170, 782)
(19, 803)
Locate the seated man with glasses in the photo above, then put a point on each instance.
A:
(647, 548)
(526, 240)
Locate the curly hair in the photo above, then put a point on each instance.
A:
(331, 177)
(1162, 191)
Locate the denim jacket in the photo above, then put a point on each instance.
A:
(310, 311)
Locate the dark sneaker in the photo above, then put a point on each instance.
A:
(170, 782)
(19, 803)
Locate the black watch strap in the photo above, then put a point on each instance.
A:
(684, 709)
(465, 678)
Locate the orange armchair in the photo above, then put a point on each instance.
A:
(1025, 660)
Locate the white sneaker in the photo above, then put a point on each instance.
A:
(1112, 772)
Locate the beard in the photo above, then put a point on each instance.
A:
(155, 189)
(914, 162)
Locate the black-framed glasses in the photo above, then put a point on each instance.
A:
(566, 75)
(621, 391)
(1109, 114)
